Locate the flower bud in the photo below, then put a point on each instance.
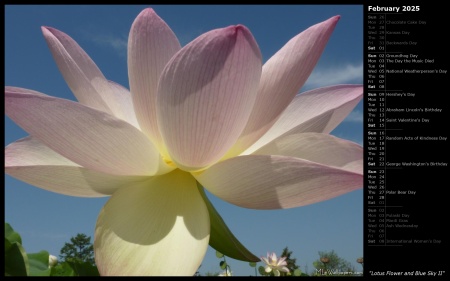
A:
(52, 261)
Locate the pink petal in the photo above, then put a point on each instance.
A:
(88, 137)
(81, 74)
(34, 163)
(273, 258)
(151, 44)
(320, 148)
(282, 77)
(282, 261)
(319, 110)
(205, 95)
(276, 182)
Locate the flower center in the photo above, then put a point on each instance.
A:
(169, 162)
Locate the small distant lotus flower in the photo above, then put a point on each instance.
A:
(226, 273)
(206, 115)
(52, 261)
(274, 264)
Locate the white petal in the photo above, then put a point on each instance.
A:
(88, 137)
(265, 260)
(282, 77)
(124, 102)
(85, 79)
(356, 166)
(319, 110)
(82, 75)
(320, 148)
(281, 261)
(205, 95)
(151, 44)
(276, 182)
(34, 163)
(160, 227)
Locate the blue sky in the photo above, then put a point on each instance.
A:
(47, 220)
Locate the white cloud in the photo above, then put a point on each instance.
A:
(343, 74)
(118, 44)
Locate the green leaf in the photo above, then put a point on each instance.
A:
(262, 270)
(297, 272)
(11, 235)
(16, 260)
(62, 269)
(74, 268)
(221, 238)
(8, 245)
(39, 264)
(252, 264)
(219, 254)
(84, 269)
(223, 265)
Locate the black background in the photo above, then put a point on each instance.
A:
(429, 207)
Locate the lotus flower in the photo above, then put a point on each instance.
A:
(274, 264)
(52, 261)
(226, 273)
(206, 115)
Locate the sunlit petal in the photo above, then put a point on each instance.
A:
(34, 163)
(276, 182)
(206, 94)
(88, 137)
(282, 77)
(319, 110)
(82, 75)
(320, 148)
(356, 166)
(159, 227)
(151, 44)
(124, 109)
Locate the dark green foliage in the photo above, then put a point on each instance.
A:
(291, 262)
(79, 250)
